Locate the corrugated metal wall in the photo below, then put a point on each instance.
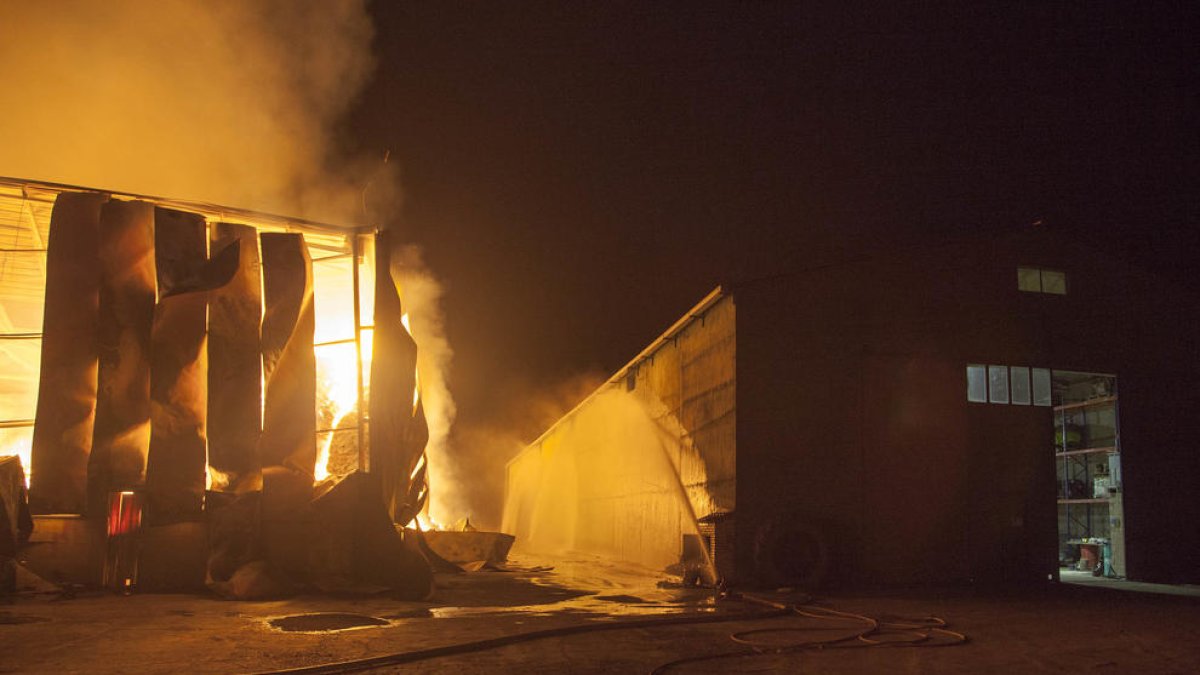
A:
(611, 477)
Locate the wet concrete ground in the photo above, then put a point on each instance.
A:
(1061, 629)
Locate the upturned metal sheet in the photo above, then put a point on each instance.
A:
(178, 370)
(235, 365)
(397, 431)
(289, 364)
(121, 435)
(62, 437)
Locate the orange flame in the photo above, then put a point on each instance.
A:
(22, 447)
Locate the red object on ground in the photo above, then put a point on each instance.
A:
(124, 513)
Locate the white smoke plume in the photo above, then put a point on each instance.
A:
(233, 102)
(420, 295)
(224, 101)
(481, 451)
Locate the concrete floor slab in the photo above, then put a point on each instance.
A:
(1062, 628)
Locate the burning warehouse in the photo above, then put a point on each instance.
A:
(198, 392)
(992, 410)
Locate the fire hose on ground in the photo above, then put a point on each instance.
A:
(864, 631)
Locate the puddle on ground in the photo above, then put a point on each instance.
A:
(327, 622)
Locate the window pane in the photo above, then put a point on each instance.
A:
(998, 384)
(20, 364)
(1054, 282)
(1020, 385)
(333, 298)
(976, 384)
(22, 291)
(1041, 386)
(1029, 279)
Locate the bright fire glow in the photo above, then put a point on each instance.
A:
(416, 372)
(215, 480)
(337, 367)
(21, 447)
(427, 523)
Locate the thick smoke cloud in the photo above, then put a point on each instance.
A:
(421, 294)
(223, 101)
(233, 102)
(482, 452)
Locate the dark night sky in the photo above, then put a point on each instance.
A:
(579, 174)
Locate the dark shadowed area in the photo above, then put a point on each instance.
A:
(580, 174)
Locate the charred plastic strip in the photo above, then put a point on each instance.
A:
(289, 364)
(178, 370)
(235, 364)
(397, 434)
(288, 445)
(121, 437)
(62, 438)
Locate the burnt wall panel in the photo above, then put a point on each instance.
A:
(178, 370)
(235, 365)
(287, 446)
(289, 367)
(397, 433)
(62, 437)
(121, 436)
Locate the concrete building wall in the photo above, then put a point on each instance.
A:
(853, 412)
(629, 469)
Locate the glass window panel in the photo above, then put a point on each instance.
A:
(337, 383)
(977, 384)
(1054, 282)
(24, 223)
(22, 291)
(998, 384)
(1041, 386)
(333, 299)
(1029, 279)
(1019, 381)
(20, 364)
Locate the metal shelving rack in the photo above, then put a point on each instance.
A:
(1075, 466)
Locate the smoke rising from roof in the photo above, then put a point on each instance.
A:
(224, 101)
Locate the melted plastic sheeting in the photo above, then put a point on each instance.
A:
(178, 370)
(397, 433)
(353, 546)
(289, 366)
(235, 366)
(66, 406)
(121, 437)
(287, 447)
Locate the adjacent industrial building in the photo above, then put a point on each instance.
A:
(990, 410)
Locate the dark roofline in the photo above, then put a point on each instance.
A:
(696, 312)
(847, 259)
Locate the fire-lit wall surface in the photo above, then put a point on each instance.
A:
(853, 420)
(630, 469)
